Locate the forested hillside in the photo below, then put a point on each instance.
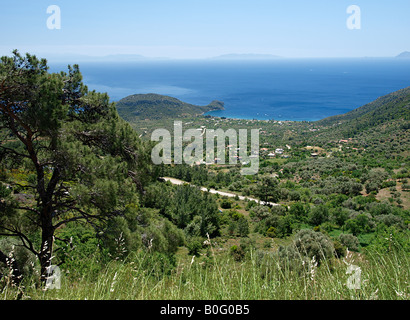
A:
(394, 106)
(78, 190)
(155, 106)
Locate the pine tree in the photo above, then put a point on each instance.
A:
(85, 162)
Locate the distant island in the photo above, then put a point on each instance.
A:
(156, 106)
(405, 54)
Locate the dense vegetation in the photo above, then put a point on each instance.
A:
(155, 106)
(119, 232)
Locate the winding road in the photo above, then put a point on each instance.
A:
(222, 193)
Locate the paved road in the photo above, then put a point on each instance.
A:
(222, 193)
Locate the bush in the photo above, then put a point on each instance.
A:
(290, 258)
(195, 246)
(243, 227)
(339, 215)
(247, 244)
(314, 244)
(318, 215)
(294, 196)
(298, 210)
(250, 205)
(194, 227)
(285, 226)
(349, 241)
(237, 253)
(271, 232)
(260, 212)
(340, 250)
(362, 223)
(390, 220)
(79, 251)
(278, 210)
(226, 204)
(388, 239)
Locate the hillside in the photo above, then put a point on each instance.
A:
(394, 106)
(155, 106)
(78, 190)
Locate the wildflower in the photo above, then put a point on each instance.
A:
(374, 295)
(313, 268)
(150, 244)
(402, 294)
(113, 282)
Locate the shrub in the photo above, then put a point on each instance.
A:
(226, 204)
(340, 250)
(237, 253)
(298, 210)
(290, 258)
(285, 226)
(278, 210)
(243, 227)
(79, 251)
(271, 232)
(194, 227)
(260, 212)
(194, 247)
(349, 241)
(314, 244)
(294, 196)
(235, 215)
(318, 215)
(339, 215)
(362, 223)
(232, 227)
(250, 205)
(247, 244)
(390, 220)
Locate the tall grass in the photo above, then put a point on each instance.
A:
(259, 277)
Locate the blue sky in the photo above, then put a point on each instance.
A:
(206, 28)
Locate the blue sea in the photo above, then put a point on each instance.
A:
(280, 89)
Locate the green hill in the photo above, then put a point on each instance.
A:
(155, 106)
(394, 106)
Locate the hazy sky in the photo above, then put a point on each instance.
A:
(206, 28)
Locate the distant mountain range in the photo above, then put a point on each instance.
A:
(77, 58)
(155, 106)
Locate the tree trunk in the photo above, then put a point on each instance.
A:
(45, 255)
(46, 250)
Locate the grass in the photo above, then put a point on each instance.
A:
(216, 276)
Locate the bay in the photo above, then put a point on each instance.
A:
(280, 89)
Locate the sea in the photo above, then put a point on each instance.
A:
(276, 89)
